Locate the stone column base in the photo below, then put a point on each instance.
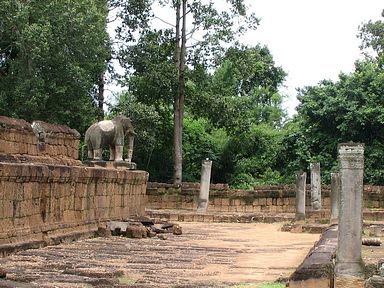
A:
(346, 281)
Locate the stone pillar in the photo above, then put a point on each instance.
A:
(349, 269)
(301, 179)
(315, 186)
(205, 181)
(335, 197)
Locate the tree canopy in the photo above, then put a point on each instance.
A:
(214, 28)
(191, 90)
(51, 54)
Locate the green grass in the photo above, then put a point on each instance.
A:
(263, 285)
(126, 280)
(271, 285)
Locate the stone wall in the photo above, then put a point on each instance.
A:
(268, 199)
(46, 143)
(47, 195)
(39, 202)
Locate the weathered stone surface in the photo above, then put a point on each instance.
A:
(317, 267)
(300, 195)
(177, 230)
(335, 197)
(41, 202)
(49, 128)
(136, 231)
(3, 274)
(146, 221)
(347, 281)
(375, 282)
(127, 229)
(348, 256)
(371, 241)
(15, 284)
(376, 230)
(315, 186)
(12, 123)
(213, 255)
(162, 236)
(205, 181)
(40, 142)
(110, 133)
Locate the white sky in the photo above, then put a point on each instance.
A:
(311, 40)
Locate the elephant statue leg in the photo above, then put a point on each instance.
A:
(111, 153)
(130, 148)
(119, 153)
(90, 153)
(130, 153)
(97, 154)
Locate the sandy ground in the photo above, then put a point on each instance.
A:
(206, 255)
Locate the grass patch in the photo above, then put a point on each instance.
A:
(271, 285)
(126, 280)
(246, 285)
(262, 285)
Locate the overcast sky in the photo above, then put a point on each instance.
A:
(311, 39)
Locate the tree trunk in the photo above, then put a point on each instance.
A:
(100, 96)
(177, 121)
(179, 98)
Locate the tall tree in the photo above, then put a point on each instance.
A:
(350, 109)
(242, 90)
(213, 26)
(51, 55)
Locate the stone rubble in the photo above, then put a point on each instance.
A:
(141, 227)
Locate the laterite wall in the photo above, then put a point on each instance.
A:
(268, 199)
(47, 195)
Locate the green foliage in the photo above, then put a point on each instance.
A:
(351, 109)
(51, 53)
(272, 285)
(242, 90)
(165, 68)
(202, 141)
(254, 157)
(372, 36)
(153, 142)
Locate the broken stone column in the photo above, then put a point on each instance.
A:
(205, 181)
(315, 186)
(301, 179)
(349, 269)
(335, 197)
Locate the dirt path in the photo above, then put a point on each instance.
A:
(206, 255)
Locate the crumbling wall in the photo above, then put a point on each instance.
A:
(266, 199)
(47, 195)
(39, 142)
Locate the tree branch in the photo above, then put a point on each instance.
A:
(170, 24)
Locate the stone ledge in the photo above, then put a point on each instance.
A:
(317, 268)
(7, 249)
(12, 123)
(34, 159)
(192, 216)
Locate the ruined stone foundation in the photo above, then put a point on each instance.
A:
(47, 195)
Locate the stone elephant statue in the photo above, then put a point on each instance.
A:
(111, 133)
